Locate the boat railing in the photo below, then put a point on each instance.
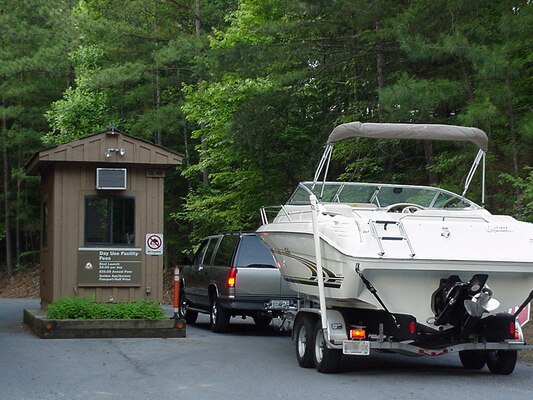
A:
(272, 214)
(402, 235)
(441, 217)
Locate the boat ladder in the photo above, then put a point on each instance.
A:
(402, 235)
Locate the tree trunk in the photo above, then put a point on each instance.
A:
(198, 31)
(512, 129)
(9, 256)
(380, 65)
(18, 208)
(157, 134)
(197, 20)
(430, 161)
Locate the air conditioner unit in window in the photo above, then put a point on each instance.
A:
(111, 178)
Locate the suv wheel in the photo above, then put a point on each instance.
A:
(219, 317)
(188, 315)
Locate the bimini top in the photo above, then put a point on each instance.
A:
(409, 131)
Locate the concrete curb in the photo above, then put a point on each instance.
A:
(102, 328)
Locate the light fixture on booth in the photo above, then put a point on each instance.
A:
(112, 150)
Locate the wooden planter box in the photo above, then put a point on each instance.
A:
(102, 328)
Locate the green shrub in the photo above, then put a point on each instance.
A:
(86, 308)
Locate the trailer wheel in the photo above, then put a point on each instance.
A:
(219, 317)
(502, 362)
(472, 359)
(304, 342)
(326, 360)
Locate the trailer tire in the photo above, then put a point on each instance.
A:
(473, 359)
(502, 362)
(304, 330)
(326, 360)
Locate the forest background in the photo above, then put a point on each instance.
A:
(248, 91)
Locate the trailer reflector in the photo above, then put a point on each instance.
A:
(357, 333)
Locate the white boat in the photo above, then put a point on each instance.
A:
(406, 249)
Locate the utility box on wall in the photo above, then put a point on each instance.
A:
(102, 198)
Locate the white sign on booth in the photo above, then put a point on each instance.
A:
(154, 244)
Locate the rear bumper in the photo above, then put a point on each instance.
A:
(242, 304)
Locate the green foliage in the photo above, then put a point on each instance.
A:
(250, 95)
(523, 208)
(83, 110)
(238, 184)
(33, 65)
(86, 308)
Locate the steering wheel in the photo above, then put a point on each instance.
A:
(405, 208)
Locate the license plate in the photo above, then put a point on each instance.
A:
(356, 347)
(278, 304)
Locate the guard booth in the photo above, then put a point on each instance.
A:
(102, 217)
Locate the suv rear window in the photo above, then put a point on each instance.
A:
(254, 253)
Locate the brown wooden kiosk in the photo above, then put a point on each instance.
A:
(102, 217)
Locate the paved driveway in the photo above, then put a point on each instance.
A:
(247, 363)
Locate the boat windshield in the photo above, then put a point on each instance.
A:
(380, 195)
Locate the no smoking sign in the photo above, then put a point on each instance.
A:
(154, 244)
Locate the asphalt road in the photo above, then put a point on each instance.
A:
(247, 363)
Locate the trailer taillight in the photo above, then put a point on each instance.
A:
(232, 277)
(513, 330)
(357, 333)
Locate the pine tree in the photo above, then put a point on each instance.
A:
(31, 71)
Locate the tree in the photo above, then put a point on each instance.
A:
(31, 38)
(130, 68)
(285, 73)
(83, 110)
(468, 64)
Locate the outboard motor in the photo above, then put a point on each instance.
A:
(481, 303)
(461, 304)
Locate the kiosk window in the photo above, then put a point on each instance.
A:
(110, 220)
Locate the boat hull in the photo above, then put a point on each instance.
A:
(405, 284)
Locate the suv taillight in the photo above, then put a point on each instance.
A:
(232, 277)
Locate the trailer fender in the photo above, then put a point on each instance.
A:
(337, 330)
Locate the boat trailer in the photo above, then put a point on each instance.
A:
(324, 334)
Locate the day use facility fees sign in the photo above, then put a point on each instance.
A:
(107, 267)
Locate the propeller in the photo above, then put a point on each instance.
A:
(481, 303)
